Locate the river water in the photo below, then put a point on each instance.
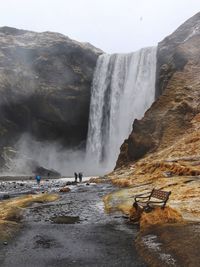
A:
(94, 239)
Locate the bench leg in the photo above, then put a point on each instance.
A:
(136, 216)
(135, 205)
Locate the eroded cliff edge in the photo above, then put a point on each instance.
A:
(178, 83)
(45, 81)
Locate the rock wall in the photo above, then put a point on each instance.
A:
(170, 54)
(178, 83)
(45, 81)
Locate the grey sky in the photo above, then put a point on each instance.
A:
(112, 25)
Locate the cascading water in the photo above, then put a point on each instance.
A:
(123, 89)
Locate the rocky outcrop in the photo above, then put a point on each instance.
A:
(171, 55)
(45, 81)
(38, 170)
(178, 80)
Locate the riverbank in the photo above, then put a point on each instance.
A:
(72, 231)
(7, 178)
(175, 168)
(166, 237)
(11, 212)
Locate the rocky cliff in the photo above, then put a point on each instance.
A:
(178, 81)
(171, 56)
(45, 81)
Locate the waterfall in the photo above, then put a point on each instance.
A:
(123, 89)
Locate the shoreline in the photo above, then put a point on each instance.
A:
(5, 178)
(8, 178)
(100, 234)
(165, 238)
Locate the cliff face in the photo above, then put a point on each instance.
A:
(178, 80)
(45, 81)
(170, 54)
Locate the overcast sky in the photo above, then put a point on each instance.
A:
(112, 25)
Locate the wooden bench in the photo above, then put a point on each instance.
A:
(147, 203)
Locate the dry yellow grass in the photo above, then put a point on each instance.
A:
(160, 216)
(11, 211)
(181, 159)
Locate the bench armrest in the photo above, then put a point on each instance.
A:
(137, 198)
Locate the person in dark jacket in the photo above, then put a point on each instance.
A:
(76, 176)
(80, 176)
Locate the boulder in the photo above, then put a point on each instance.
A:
(20, 163)
(46, 172)
(65, 190)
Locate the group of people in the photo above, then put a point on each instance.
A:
(78, 176)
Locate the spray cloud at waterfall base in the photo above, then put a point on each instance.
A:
(29, 153)
(123, 89)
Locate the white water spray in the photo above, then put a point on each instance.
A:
(123, 89)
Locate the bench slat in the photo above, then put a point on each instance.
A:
(160, 194)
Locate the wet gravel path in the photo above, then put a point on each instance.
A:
(97, 239)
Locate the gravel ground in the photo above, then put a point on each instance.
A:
(95, 239)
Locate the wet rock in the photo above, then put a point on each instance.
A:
(65, 190)
(6, 196)
(71, 183)
(65, 219)
(46, 172)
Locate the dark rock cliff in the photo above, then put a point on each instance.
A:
(178, 83)
(45, 81)
(170, 54)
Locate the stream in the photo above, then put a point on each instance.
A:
(73, 231)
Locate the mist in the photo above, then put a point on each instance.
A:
(49, 155)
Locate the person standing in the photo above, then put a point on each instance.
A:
(38, 179)
(76, 177)
(80, 176)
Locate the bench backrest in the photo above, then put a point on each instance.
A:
(163, 195)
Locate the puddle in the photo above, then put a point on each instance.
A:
(66, 219)
(44, 242)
